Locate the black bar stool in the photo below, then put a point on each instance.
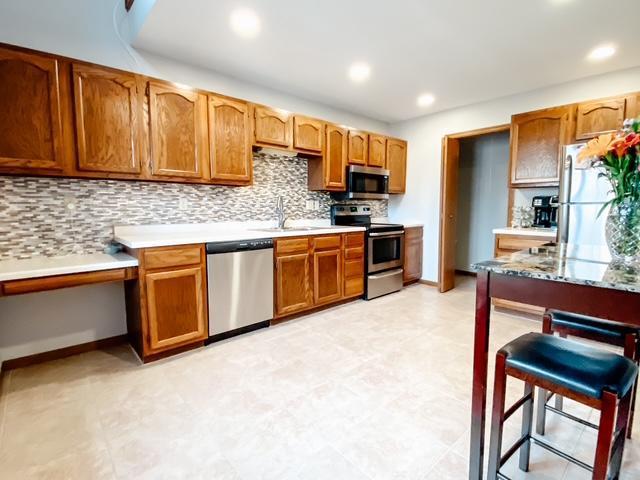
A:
(591, 328)
(588, 375)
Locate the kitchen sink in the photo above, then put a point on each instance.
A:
(288, 229)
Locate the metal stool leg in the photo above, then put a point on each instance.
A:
(497, 417)
(605, 435)
(541, 414)
(527, 423)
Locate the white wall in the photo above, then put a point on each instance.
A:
(422, 200)
(85, 29)
(483, 196)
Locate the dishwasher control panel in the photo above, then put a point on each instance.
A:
(239, 245)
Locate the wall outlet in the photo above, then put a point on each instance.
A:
(70, 203)
(309, 205)
(316, 205)
(183, 203)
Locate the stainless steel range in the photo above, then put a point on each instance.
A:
(384, 248)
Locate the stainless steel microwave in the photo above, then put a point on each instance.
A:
(366, 182)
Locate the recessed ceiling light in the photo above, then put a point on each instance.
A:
(245, 22)
(602, 52)
(426, 99)
(359, 72)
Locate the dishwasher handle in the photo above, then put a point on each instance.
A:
(239, 246)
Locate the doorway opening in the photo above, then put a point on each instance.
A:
(474, 197)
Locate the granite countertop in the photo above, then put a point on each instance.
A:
(579, 264)
(529, 232)
(38, 267)
(146, 236)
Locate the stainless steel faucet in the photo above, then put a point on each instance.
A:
(280, 212)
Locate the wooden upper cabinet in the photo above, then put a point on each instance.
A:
(397, 165)
(107, 117)
(335, 158)
(358, 148)
(272, 127)
(377, 151)
(178, 131)
(176, 307)
(31, 120)
(537, 139)
(230, 144)
(595, 118)
(308, 134)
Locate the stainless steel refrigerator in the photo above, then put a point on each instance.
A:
(582, 196)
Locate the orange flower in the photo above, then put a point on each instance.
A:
(619, 146)
(596, 148)
(632, 140)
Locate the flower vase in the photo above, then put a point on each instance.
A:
(622, 232)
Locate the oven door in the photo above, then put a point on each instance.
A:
(386, 250)
(368, 182)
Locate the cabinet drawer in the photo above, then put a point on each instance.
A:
(293, 245)
(354, 239)
(327, 243)
(172, 257)
(519, 243)
(353, 253)
(353, 268)
(353, 286)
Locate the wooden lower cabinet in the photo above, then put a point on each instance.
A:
(167, 305)
(353, 265)
(316, 271)
(412, 254)
(506, 245)
(293, 283)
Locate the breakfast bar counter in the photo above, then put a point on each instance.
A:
(573, 278)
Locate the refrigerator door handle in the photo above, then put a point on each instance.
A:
(563, 223)
(565, 182)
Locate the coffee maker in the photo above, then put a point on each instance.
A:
(545, 211)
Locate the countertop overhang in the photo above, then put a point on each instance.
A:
(529, 232)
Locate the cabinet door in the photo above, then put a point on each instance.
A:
(107, 116)
(176, 307)
(537, 139)
(307, 134)
(595, 118)
(229, 143)
(327, 276)
(272, 127)
(30, 111)
(293, 284)
(178, 130)
(358, 147)
(377, 151)
(397, 165)
(335, 159)
(412, 254)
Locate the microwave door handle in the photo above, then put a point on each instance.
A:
(387, 234)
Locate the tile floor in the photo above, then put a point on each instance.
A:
(368, 390)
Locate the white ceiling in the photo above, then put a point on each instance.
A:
(463, 51)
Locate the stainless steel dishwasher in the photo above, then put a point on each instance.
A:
(240, 282)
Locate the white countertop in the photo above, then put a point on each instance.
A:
(406, 223)
(146, 236)
(47, 266)
(530, 232)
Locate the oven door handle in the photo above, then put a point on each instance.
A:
(377, 276)
(387, 234)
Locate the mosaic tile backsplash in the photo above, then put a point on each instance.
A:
(53, 216)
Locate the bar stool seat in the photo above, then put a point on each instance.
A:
(583, 369)
(591, 325)
(597, 378)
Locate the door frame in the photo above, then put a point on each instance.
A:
(449, 200)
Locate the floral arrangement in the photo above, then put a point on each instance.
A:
(617, 155)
